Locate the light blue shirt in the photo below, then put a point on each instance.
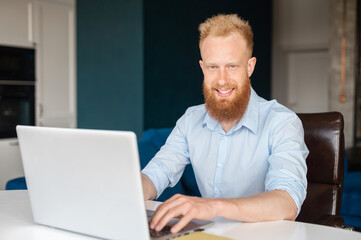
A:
(264, 151)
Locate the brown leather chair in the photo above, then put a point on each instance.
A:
(325, 140)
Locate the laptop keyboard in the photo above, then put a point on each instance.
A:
(161, 233)
(164, 231)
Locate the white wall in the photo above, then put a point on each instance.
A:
(306, 66)
(301, 36)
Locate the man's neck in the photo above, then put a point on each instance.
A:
(227, 125)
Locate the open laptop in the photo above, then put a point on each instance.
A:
(87, 181)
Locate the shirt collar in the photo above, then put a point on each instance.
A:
(249, 119)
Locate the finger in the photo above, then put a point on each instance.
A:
(181, 224)
(161, 212)
(172, 213)
(174, 197)
(164, 208)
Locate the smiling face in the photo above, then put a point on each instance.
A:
(226, 66)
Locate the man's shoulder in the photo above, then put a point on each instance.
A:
(275, 111)
(196, 110)
(193, 115)
(192, 119)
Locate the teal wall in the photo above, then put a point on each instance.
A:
(138, 60)
(172, 75)
(110, 64)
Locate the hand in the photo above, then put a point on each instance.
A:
(185, 208)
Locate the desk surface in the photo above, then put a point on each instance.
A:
(16, 223)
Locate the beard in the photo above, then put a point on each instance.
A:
(225, 110)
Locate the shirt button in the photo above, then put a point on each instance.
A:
(219, 165)
(217, 191)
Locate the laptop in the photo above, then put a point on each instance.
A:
(87, 181)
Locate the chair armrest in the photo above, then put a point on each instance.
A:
(331, 220)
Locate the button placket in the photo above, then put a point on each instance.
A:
(222, 154)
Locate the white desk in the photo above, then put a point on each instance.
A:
(16, 223)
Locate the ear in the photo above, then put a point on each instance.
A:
(202, 66)
(251, 65)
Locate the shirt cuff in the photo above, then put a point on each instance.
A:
(295, 190)
(155, 173)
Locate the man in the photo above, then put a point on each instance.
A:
(248, 154)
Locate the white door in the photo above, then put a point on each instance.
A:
(16, 22)
(56, 86)
(10, 161)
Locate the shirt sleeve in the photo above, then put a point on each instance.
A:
(287, 161)
(167, 166)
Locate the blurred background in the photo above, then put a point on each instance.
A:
(133, 64)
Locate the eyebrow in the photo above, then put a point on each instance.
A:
(209, 63)
(230, 63)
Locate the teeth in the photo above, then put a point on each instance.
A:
(224, 91)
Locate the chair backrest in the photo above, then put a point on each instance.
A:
(325, 140)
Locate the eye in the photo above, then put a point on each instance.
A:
(233, 66)
(211, 67)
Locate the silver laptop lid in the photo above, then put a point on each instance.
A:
(86, 181)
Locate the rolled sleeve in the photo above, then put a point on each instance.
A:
(158, 175)
(287, 161)
(289, 183)
(167, 166)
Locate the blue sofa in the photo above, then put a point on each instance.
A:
(149, 145)
(153, 140)
(351, 197)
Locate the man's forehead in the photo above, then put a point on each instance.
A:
(219, 38)
(223, 45)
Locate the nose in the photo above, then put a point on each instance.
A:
(222, 78)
